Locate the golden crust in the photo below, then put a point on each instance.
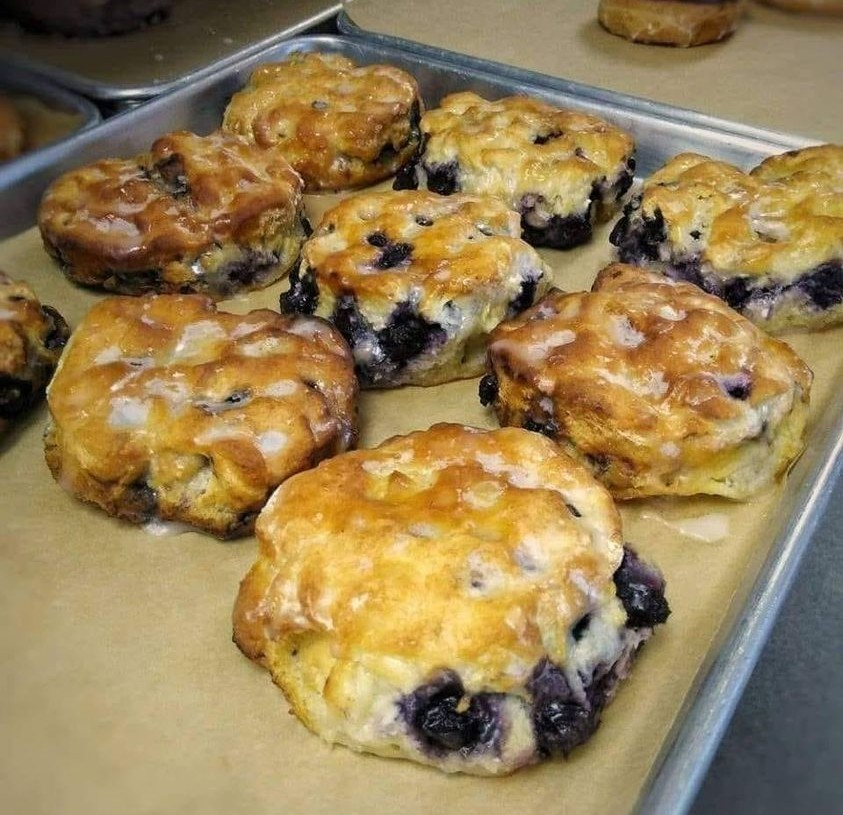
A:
(448, 549)
(670, 22)
(32, 337)
(518, 146)
(213, 214)
(12, 134)
(462, 265)
(772, 226)
(661, 388)
(164, 409)
(339, 124)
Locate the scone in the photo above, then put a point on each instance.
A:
(769, 242)
(561, 169)
(210, 214)
(457, 597)
(671, 22)
(11, 130)
(164, 409)
(415, 281)
(341, 125)
(658, 387)
(32, 337)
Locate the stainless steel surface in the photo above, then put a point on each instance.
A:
(660, 132)
(198, 36)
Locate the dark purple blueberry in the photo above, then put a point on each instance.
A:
(407, 334)
(140, 503)
(443, 178)
(738, 386)
(696, 234)
(406, 178)
(625, 179)
(57, 332)
(824, 285)
(15, 396)
(640, 242)
(544, 138)
(524, 298)
(245, 270)
(302, 296)
(423, 220)
(736, 292)
(173, 175)
(578, 631)
(557, 232)
(488, 389)
(349, 321)
(378, 239)
(574, 511)
(393, 254)
(640, 588)
(547, 428)
(443, 720)
(306, 227)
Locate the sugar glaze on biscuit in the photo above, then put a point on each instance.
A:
(457, 597)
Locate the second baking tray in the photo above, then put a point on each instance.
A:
(146, 623)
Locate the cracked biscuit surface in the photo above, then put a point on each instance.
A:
(341, 125)
(416, 281)
(164, 409)
(32, 337)
(660, 388)
(464, 601)
(210, 214)
(769, 242)
(561, 169)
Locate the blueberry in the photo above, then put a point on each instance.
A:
(488, 389)
(302, 296)
(140, 502)
(393, 254)
(574, 511)
(640, 587)
(524, 298)
(638, 243)
(57, 332)
(15, 396)
(378, 239)
(578, 631)
(443, 178)
(405, 178)
(738, 386)
(558, 232)
(423, 220)
(348, 320)
(824, 285)
(547, 428)
(245, 270)
(407, 334)
(173, 175)
(544, 138)
(138, 281)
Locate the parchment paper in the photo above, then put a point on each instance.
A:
(779, 70)
(122, 691)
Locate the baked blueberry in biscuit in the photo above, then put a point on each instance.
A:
(769, 242)
(561, 169)
(416, 281)
(211, 214)
(165, 409)
(457, 597)
(32, 337)
(658, 387)
(341, 125)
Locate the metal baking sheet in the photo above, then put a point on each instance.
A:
(733, 640)
(196, 36)
(51, 113)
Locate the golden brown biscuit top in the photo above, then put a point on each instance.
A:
(656, 360)
(782, 219)
(518, 145)
(188, 193)
(147, 375)
(11, 130)
(313, 104)
(451, 547)
(446, 246)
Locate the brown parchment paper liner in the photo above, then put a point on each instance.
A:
(122, 691)
(758, 76)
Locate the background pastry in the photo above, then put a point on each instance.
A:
(660, 388)
(561, 169)
(341, 125)
(769, 242)
(461, 598)
(165, 409)
(416, 281)
(12, 134)
(212, 214)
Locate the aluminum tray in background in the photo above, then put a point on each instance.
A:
(660, 133)
(16, 82)
(197, 36)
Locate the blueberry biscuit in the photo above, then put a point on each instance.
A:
(164, 409)
(415, 281)
(561, 169)
(341, 125)
(32, 337)
(769, 242)
(671, 22)
(476, 614)
(211, 214)
(660, 388)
